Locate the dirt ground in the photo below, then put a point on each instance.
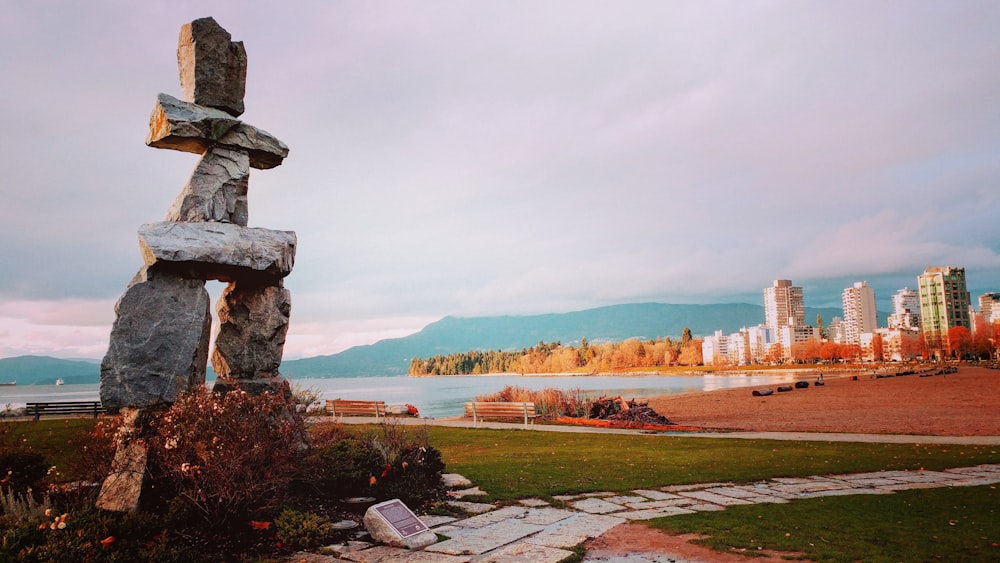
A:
(966, 403)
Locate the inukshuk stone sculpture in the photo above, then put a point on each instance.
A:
(160, 339)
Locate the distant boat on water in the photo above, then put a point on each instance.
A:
(60, 381)
(8, 383)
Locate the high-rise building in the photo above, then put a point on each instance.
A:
(944, 304)
(905, 310)
(859, 312)
(989, 306)
(783, 305)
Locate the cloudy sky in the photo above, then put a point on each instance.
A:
(480, 158)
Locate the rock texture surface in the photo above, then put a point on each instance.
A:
(213, 68)
(217, 190)
(218, 251)
(187, 127)
(253, 322)
(159, 340)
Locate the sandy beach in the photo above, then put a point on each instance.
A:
(966, 403)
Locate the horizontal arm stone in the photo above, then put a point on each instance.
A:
(218, 251)
(178, 125)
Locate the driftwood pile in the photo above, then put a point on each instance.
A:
(629, 412)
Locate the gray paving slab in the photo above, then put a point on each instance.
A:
(575, 530)
(471, 507)
(735, 492)
(782, 494)
(692, 487)
(532, 502)
(679, 501)
(907, 486)
(871, 482)
(348, 547)
(983, 468)
(705, 507)
(654, 495)
(714, 498)
(625, 499)
(386, 554)
(480, 540)
(470, 492)
(547, 516)
(792, 480)
(656, 513)
(974, 481)
(499, 515)
(846, 492)
(432, 520)
(596, 506)
(521, 551)
(926, 477)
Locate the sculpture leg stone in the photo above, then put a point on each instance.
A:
(159, 341)
(217, 190)
(121, 489)
(253, 322)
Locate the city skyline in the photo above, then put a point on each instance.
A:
(463, 159)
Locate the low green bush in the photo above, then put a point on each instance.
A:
(386, 461)
(301, 530)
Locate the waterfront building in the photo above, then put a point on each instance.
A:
(989, 306)
(835, 330)
(714, 349)
(905, 310)
(944, 304)
(791, 335)
(859, 312)
(783, 305)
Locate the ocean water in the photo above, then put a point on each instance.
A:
(440, 397)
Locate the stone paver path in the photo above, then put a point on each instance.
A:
(534, 531)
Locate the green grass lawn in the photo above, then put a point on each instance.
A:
(55, 438)
(514, 464)
(946, 524)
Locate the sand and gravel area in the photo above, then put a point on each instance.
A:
(966, 403)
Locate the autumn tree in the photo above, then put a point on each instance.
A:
(878, 348)
(959, 342)
(829, 351)
(691, 353)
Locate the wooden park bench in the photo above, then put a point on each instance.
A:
(64, 407)
(479, 409)
(341, 407)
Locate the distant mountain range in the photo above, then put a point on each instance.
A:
(452, 335)
(43, 370)
(613, 323)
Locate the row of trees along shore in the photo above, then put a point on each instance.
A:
(555, 357)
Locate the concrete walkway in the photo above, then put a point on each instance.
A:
(796, 436)
(534, 530)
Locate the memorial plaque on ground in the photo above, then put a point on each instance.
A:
(400, 517)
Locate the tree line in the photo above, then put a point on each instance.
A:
(555, 357)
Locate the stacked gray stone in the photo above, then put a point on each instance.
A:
(160, 338)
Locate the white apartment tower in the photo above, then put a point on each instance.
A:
(859, 312)
(783, 305)
(989, 306)
(905, 310)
